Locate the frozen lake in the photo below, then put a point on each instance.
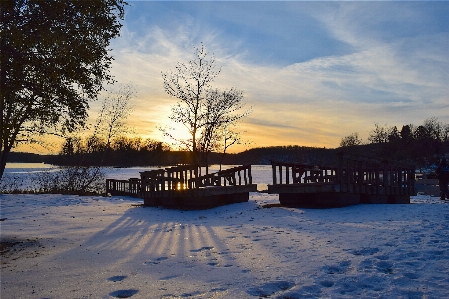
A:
(23, 173)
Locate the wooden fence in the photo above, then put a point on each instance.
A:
(373, 179)
(183, 183)
(359, 174)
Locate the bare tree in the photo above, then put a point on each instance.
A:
(110, 122)
(116, 108)
(229, 137)
(189, 83)
(202, 109)
(222, 109)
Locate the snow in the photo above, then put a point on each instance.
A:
(100, 247)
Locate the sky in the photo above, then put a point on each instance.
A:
(312, 72)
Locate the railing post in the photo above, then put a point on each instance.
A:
(280, 173)
(339, 171)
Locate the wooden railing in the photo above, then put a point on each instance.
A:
(173, 178)
(296, 173)
(170, 180)
(353, 174)
(236, 176)
(131, 187)
(360, 174)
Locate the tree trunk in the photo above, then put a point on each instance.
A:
(222, 158)
(3, 144)
(3, 155)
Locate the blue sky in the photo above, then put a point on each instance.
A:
(313, 72)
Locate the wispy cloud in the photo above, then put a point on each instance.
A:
(397, 77)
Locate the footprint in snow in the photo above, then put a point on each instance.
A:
(373, 265)
(384, 267)
(434, 254)
(202, 249)
(218, 290)
(410, 275)
(310, 291)
(339, 268)
(124, 293)
(156, 261)
(431, 242)
(116, 278)
(383, 257)
(196, 293)
(270, 288)
(327, 283)
(365, 251)
(169, 277)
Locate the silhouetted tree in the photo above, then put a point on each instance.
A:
(221, 110)
(351, 140)
(54, 59)
(201, 109)
(189, 83)
(379, 134)
(115, 110)
(412, 143)
(407, 133)
(229, 137)
(434, 128)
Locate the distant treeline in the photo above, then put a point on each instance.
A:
(419, 145)
(160, 157)
(124, 151)
(255, 156)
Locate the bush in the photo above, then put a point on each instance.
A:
(81, 180)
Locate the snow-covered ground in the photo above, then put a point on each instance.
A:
(97, 247)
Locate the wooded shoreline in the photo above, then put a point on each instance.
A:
(254, 156)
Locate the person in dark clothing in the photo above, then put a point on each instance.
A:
(442, 173)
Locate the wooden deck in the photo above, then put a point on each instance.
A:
(355, 179)
(183, 187)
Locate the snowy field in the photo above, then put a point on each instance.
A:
(98, 247)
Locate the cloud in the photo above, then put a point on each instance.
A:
(313, 72)
(387, 77)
